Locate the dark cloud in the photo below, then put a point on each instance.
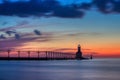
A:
(107, 6)
(53, 8)
(39, 8)
(2, 36)
(10, 32)
(17, 36)
(84, 6)
(67, 12)
(37, 32)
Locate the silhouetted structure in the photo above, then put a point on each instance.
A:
(91, 57)
(8, 53)
(40, 55)
(79, 53)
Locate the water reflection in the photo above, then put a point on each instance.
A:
(107, 69)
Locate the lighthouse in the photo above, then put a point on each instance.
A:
(79, 53)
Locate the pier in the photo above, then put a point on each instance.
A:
(35, 55)
(41, 55)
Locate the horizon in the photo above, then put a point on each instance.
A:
(60, 25)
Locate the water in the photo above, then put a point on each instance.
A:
(96, 69)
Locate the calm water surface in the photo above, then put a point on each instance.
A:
(96, 69)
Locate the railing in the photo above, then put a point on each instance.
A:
(35, 55)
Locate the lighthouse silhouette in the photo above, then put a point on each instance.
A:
(79, 53)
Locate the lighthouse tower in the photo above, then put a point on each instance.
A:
(79, 53)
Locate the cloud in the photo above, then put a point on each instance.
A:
(70, 49)
(10, 32)
(107, 6)
(53, 8)
(64, 49)
(39, 8)
(2, 36)
(37, 32)
(85, 6)
(17, 36)
(12, 43)
(67, 12)
(74, 34)
(21, 24)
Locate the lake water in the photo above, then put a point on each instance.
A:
(96, 69)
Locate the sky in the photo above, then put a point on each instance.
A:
(60, 25)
